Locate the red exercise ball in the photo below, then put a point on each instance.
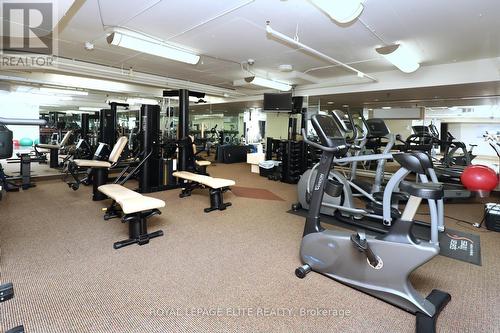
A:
(479, 178)
(15, 143)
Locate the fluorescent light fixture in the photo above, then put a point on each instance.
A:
(146, 44)
(386, 108)
(342, 11)
(149, 101)
(400, 57)
(259, 81)
(40, 99)
(88, 108)
(116, 100)
(75, 112)
(63, 91)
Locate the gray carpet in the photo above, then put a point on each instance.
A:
(234, 267)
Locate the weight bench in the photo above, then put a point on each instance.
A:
(54, 149)
(100, 169)
(135, 209)
(217, 186)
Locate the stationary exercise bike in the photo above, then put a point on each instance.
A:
(379, 266)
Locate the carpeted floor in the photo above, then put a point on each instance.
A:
(229, 271)
(254, 193)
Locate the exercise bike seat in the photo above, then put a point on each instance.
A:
(431, 191)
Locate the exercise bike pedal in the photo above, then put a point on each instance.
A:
(362, 245)
(302, 271)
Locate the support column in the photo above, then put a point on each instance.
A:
(183, 126)
(107, 125)
(85, 126)
(150, 131)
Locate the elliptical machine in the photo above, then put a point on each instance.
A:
(379, 266)
(381, 205)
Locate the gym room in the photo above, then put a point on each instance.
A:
(249, 166)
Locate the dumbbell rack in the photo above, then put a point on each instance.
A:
(292, 161)
(312, 156)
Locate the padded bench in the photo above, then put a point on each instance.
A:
(135, 209)
(54, 149)
(217, 187)
(100, 169)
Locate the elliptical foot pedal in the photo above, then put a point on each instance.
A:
(6, 292)
(17, 329)
(428, 324)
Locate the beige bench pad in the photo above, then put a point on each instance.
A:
(92, 163)
(205, 180)
(203, 163)
(130, 201)
(140, 204)
(116, 192)
(47, 146)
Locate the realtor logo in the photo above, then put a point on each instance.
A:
(27, 34)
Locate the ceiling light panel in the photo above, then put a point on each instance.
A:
(147, 44)
(341, 11)
(399, 56)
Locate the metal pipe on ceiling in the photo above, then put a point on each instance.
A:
(292, 41)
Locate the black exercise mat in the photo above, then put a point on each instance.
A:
(453, 244)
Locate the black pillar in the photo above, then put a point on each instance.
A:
(183, 126)
(150, 136)
(292, 129)
(107, 125)
(85, 126)
(303, 119)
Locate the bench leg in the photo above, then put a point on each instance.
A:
(54, 158)
(100, 177)
(112, 212)
(185, 192)
(138, 233)
(216, 201)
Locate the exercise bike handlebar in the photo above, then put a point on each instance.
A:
(324, 148)
(19, 121)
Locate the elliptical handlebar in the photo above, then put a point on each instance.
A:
(324, 148)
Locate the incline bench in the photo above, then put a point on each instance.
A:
(135, 209)
(54, 149)
(100, 169)
(217, 187)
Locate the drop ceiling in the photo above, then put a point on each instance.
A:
(438, 32)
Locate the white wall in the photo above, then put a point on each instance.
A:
(277, 125)
(12, 106)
